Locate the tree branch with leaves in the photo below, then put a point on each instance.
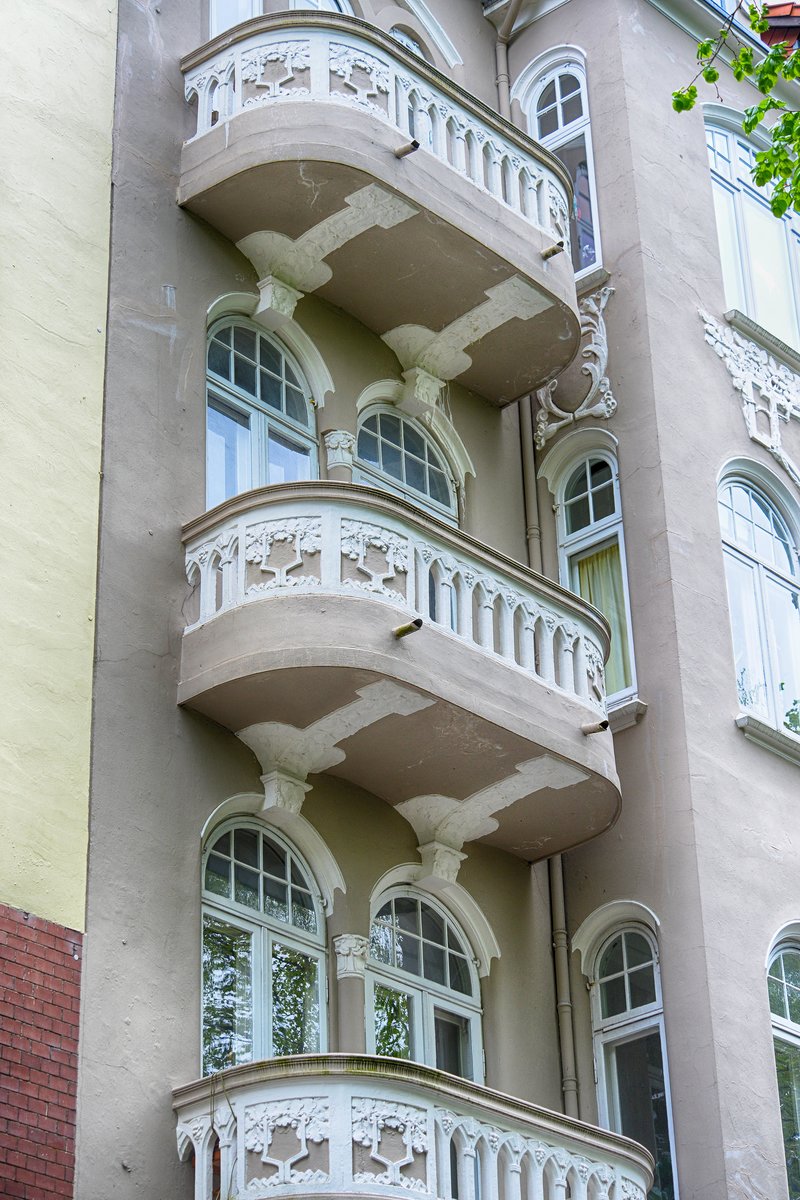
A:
(777, 167)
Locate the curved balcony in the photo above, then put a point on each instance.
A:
(357, 1126)
(471, 726)
(299, 118)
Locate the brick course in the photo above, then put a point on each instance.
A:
(40, 975)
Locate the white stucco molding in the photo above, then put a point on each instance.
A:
(455, 898)
(351, 950)
(313, 365)
(433, 416)
(296, 828)
(529, 77)
(731, 119)
(570, 448)
(785, 745)
(604, 920)
(782, 496)
(769, 390)
(434, 29)
(788, 933)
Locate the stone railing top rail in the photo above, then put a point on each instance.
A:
(425, 525)
(412, 1081)
(299, 22)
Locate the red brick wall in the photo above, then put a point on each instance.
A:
(40, 966)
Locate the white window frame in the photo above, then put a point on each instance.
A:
(261, 417)
(265, 931)
(783, 1029)
(218, 25)
(762, 571)
(628, 1026)
(740, 188)
(426, 995)
(605, 532)
(373, 476)
(569, 65)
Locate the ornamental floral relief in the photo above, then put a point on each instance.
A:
(366, 77)
(307, 1118)
(298, 536)
(270, 69)
(359, 539)
(770, 391)
(372, 1121)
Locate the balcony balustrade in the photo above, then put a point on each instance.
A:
(289, 641)
(359, 1126)
(298, 118)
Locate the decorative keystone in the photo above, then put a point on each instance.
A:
(282, 790)
(440, 864)
(277, 302)
(351, 955)
(421, 391)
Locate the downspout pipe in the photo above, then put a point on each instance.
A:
(501, 55)
(566, 1035)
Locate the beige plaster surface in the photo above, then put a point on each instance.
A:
(54, 251)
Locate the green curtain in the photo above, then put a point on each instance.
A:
(600, 582)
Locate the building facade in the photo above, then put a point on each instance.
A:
(445, 727)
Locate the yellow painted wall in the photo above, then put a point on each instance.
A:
(58, 85)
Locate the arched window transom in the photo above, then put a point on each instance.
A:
(763, 578)
(260, 423)
(395, 452)
(423, 995)
(263, 950)
(626, 975)
(783, 983)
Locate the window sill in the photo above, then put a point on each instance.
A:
(594, 278)
(785, 745)
(762, 337)
(626, 714)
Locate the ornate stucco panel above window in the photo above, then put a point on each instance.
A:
(599, 401)
(770, 393)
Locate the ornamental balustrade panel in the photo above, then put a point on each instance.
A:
(341, 1134)
(332, 546)
(336, 66)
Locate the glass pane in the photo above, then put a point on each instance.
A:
(730, 253)
(270, 358)
(271, 391)
(571, 110)
(437, 486)
(227, 454)
(218, 876)
(393, 1022)
(275, 902)
(433, 926)
(416, 475)
(390, 428)
(227, 996)
(751, 683)
(223, 845)
(777, 998)
(289, 462)
(637, 949)
(244, 375)
(452, 1042)
(433, 963)
(793, 997)
(392, 460)
(413, 442)
(245, 846)
(642, 1103)
(548, 122)
(381, 941)
(298, 878)
(770, 277)
(459, 975)
(296, 406)
(274, 859)
(244, 342)
(791, 967)
(578, 514)
(246, 886)
(219, 360)
(548, 97)
(407, 914)
(787, 1063)
(407, 953)
(600, 582)
(575, 158)
(642, 986)
(612, 961)
(368, 447)
(227, 13)
(578, 484)
(612, 996)
(290, 375)
(224, 336)
(295, 1002)
(603, 502)
(568, 84)
(783, 636)
(303, 915)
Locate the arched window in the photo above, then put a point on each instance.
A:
(423, 1000)
(263, 983)
(396, 453)
(759, 252)
(592, 550)
(633, 1084)
(260, 422)
(407, 39)
(763, 576)
(558, 117)
(783, 982)
(224, 14)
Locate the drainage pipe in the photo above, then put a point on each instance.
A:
(501, 56)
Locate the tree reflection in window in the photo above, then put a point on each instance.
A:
(783, 983)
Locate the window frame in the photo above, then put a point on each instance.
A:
(596, 536)
(623, 1028)
(740, 188)
(262, 420)
(569, 64)
(783, 1029)
(427, 996)
(257, 7)
(762, 572)
(373, 476)
(265, 931)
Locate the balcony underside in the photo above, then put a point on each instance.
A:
(468, 747)
(451, 277)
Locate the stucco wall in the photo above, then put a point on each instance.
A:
(58, 97)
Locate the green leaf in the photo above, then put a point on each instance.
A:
(711, 74)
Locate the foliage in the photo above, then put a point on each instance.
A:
(776, 168)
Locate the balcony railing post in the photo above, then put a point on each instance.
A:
(320, 66)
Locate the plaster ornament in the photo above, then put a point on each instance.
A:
(770, 391)
(344, 60)
(276, 303)
(599, 401)
(370, 1118)
(340, 448)
(282, 790)
(358, 538)
(291, 58)
(351, 951)
(308, 1117)
(421, 392)
(440, 863)
(443, 354)
(302, 534)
